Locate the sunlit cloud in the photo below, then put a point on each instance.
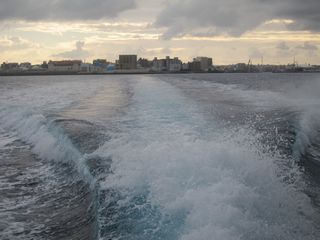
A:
(279, 21)
(258, 36)
(56, 28)
(152, 29)
(78, 53)
(8, 43)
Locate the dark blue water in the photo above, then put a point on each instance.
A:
(198, 156)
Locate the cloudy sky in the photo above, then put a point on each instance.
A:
(229, 31)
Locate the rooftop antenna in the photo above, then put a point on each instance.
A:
(261, 67)
(249, 65)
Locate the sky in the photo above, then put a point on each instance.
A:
(229, 31)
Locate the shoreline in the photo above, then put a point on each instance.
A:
(16, 74)
(5, 74)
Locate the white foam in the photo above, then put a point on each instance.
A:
(307, 130)
(47, 141)
(223, 183)
(219, 183)
(25, 105)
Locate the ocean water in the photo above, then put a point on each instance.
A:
(181, 157)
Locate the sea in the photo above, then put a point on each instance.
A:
(152, 157)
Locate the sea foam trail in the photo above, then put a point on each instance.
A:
(307, 135)
(62, 202)
(26, 105)
(47, 140)
(177, 176)
(30, 187)
(297, 102)
(303, 100)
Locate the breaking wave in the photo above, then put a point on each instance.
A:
(48, 141)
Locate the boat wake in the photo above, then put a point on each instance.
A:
(166, 169)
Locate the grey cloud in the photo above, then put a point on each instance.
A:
(283, 46)
(235, 17)
(59, 10)
(77, 53)
(308, 47)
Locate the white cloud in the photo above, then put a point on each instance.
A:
(77, 53)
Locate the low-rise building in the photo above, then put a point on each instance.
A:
(241, 67)
(65, 66)
(111, 68)
(144, 63)
(87, 68)
(44, 65)
(25, 66)
(167, 65)
(10, 66)
(100, 65)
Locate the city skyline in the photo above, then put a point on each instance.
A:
(228, 31)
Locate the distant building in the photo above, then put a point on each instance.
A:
(111, 68)
(173, 65)
(10, 66)
(195, 66)
(159, 65)
(127, 62)
(37, 68)
(185, 67)
(313, 68)
(44, 65)
(25, 66)
(167, 65)
(65, 66)
(144, 63)
(87, 68)
(205, 63)
(241, 67)
(100, 63)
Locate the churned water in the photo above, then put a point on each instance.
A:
(197, 156)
